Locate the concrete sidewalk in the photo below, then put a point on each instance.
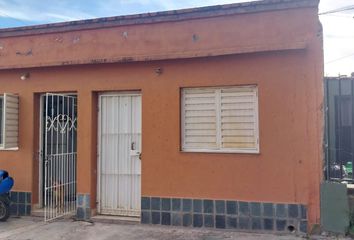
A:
(27, 228)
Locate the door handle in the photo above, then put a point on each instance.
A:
(140, 155)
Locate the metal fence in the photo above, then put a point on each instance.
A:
(339, 134)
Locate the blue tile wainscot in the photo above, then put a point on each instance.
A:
(224, 214)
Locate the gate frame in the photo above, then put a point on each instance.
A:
(99, 140)
(41, 130)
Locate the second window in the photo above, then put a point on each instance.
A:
(220, 119)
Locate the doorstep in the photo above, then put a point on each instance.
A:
(37, 212)
(115, 219)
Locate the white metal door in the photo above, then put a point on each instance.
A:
(60, 124)
(119, 154)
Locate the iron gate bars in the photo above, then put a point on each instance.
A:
(60, 154)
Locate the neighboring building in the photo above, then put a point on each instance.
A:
(206, 117)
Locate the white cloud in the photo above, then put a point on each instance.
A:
(338, 31)
(119, 7)
(37, 11)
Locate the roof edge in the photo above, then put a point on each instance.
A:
(156, 17)
(293, 46)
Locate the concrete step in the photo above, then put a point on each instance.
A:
(37, 213)
(115, 219)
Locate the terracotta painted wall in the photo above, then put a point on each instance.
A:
(215, 36)
(288, 168)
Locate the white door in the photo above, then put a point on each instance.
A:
(119, 188)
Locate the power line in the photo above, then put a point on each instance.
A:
(335, 60)
(342, 9)
(338, 15)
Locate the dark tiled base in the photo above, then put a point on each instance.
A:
(20, 203)
(224, 214)
(83, 210)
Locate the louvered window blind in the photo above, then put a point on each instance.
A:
(9, 121)
(221, 119)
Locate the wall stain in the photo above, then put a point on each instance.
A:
(27, 53)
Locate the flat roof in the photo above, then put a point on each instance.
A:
(165, 16)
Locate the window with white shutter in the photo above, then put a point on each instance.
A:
(223, 119)
(9, 121)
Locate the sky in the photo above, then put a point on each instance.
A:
(338, 27)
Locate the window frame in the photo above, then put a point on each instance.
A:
(2, 125)
(3, 146)
(255, 150)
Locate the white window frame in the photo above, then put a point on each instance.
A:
(255, 150)
(2, 122)
(3, 144)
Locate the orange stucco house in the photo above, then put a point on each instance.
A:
(208, 117)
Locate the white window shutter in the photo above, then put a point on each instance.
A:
(220, 119)
(199, 119)
(239, 118)
(10, 123)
